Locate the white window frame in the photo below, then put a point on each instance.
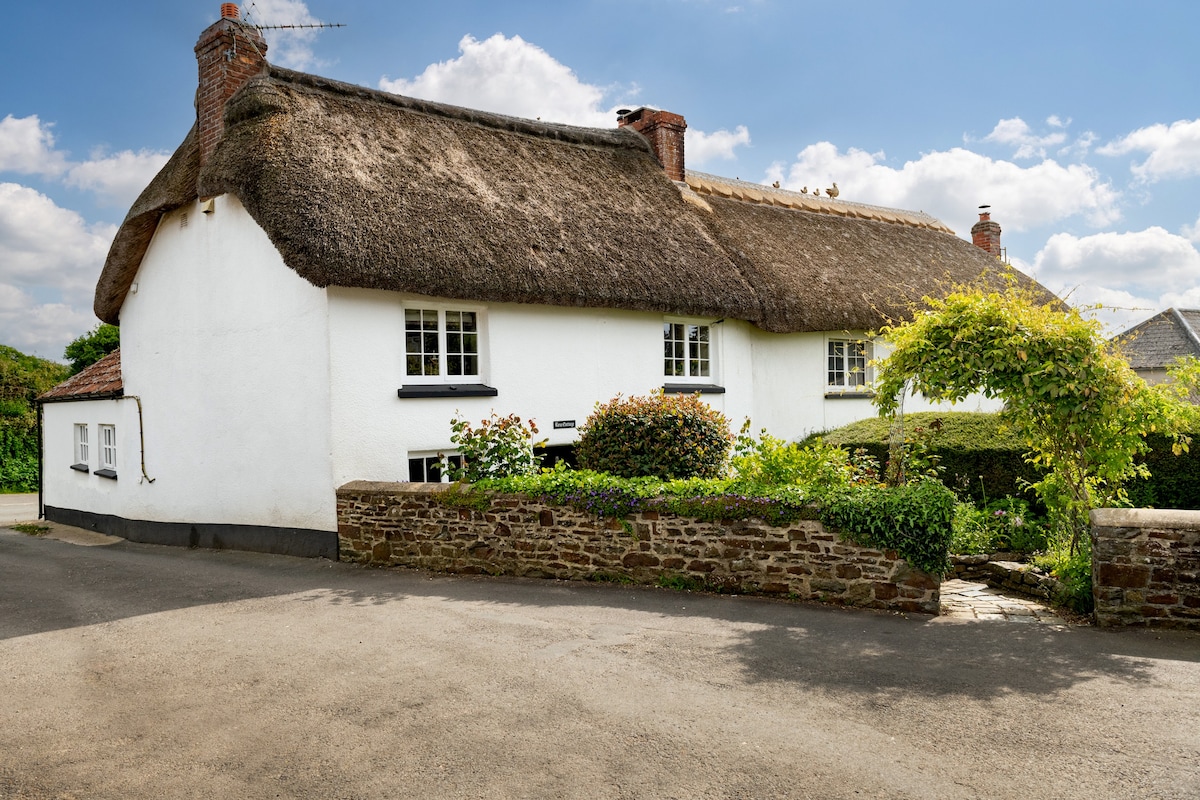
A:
(443, 311)
(672, 352)
(82, 449)
(446, 456)
(848, 371)
(108, 447)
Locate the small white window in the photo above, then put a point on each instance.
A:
(441, 344)
(431, 468)
(82, 453)
(847, 365)
(687, 351)
(108, 447)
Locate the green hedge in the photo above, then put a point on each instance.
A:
(982, 460)
(1174, 480)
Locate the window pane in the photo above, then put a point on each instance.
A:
(454, 364)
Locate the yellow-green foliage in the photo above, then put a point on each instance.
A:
(1080, 410)
(664, 436)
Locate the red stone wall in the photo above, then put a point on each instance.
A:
(1146, 567)
(406, 525)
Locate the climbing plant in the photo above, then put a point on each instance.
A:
(1080, 410)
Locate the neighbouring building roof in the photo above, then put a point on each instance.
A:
(361, 188)
(1157, 342)
(99, 381)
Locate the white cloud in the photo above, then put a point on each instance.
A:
(27, 147)
(512, 76)
(288, 48)
(1174, 150)
(950, 184)
(1132, 275)
(50, 253)
(118, 178)
(509, 76)
(1016, 133)
(1192, 232)
(702, 147)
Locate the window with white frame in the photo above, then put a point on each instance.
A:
(441, 344)
(82, 453)
(847, 365)
(687, 351)
(108, 447)
(432, 468)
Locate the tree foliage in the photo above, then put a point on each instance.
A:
(92, 346)
(22, 379)
(1080, 410)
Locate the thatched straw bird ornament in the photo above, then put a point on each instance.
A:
(804, 190)
(775, 184)
(833, 192)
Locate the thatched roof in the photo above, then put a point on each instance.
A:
(361, 188)
(99, 381)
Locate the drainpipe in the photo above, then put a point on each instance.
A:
(41, 477)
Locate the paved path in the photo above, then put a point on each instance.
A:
(18, 508)
(133, 671)
(976, 600)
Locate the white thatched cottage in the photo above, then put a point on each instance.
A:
(322, 274)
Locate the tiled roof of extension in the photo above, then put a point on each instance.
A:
(99, 381)
(1157, 342)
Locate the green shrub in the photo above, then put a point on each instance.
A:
(1007, 525)
(915, 520)
(1073, 568)
(817, 465)
(1174, 480)
(500, 446)
(976, 455)
(664, 436)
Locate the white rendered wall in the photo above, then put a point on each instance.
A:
(554, 364)
(228, 349)
(63, 487)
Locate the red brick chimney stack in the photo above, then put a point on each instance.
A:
(664, 130)
(985, 234)
(229, 53)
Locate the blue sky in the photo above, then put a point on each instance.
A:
(1078, 122)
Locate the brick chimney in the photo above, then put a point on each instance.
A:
(229, 52)
(985, 234)
(664, 130)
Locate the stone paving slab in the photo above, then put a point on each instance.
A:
(973, 600)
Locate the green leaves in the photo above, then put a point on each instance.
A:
(500, 446)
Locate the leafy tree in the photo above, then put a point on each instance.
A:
(22, 379)
(1081, 411)
(92, 346)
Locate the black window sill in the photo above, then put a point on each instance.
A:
(80, 468)
(692, 388)
(106, 473)
(849, 395)
(446, 390)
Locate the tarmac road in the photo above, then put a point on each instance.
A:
(134, 671)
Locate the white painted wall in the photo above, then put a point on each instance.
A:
(228, 350)
(64, 487)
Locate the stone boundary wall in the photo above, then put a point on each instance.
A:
(1146, 567)
(404, 524)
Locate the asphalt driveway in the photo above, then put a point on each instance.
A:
(135, 671)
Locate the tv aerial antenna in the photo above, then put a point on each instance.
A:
(281, 27)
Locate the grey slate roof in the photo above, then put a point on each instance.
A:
(1157, 342)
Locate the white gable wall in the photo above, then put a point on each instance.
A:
(228, 350)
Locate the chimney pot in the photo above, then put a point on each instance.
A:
(985, 234)
(230, 11)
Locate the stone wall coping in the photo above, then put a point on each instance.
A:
(392, 487)
(1145, 518)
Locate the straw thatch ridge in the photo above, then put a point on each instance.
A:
(360, 188)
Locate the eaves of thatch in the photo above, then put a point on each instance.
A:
(361, 188)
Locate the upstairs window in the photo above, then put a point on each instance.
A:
(847, 364)
(687, 351)
(441, 344)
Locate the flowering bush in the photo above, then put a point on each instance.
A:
(665, 436)
(1007, 525)
(500, 446)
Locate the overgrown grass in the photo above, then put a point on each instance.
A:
(33, 529)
